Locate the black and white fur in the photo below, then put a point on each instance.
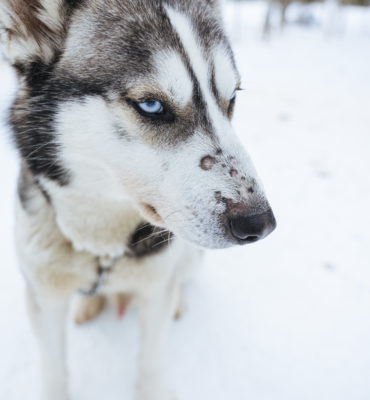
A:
(96, 172)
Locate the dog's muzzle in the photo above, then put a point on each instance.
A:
(250, 228)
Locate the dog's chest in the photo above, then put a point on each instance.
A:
(50, 258)
(147, 260)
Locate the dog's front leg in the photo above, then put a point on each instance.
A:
(156, 312)
(48, 317)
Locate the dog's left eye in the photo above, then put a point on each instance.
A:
(231, 104)
(151, 107)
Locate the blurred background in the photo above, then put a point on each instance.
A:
(284, 319)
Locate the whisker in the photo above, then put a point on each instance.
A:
(152, 235)
(167, 240)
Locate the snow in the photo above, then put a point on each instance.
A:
(286, 318)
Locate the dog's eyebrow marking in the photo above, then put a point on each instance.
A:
(226, 77)
(192, 46)
(174, 77)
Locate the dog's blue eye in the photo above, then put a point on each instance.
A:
(233, 96)
(151, 107)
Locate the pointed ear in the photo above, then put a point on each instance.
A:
(31, 29)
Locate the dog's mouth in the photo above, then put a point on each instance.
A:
(151, 213)
(212, 224)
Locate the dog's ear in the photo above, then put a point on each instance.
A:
(33, 29)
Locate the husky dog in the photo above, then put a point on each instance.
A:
(129, 163)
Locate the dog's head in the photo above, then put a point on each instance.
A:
(135, 98)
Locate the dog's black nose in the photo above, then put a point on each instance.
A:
(250, 228)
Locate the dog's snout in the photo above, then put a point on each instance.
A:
(250, 228)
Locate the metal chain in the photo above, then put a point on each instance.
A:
(104, 267)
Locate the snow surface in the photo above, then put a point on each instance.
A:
(287, 318)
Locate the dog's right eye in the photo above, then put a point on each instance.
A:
(151, 107)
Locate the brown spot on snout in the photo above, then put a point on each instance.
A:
(232, 161)
(207, 163)
(235, 208)
(218, 196)
(233, 173)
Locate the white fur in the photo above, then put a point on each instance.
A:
(173, 77)
(225, 75)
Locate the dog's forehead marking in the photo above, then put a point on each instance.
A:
(225, 74)
(173, 76)
(224, 68)
(192, 46)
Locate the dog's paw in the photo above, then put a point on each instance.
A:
(123, 301)
(180, 308)
(179, 312)
(89, 308)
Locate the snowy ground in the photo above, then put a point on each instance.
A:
(284, 319)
